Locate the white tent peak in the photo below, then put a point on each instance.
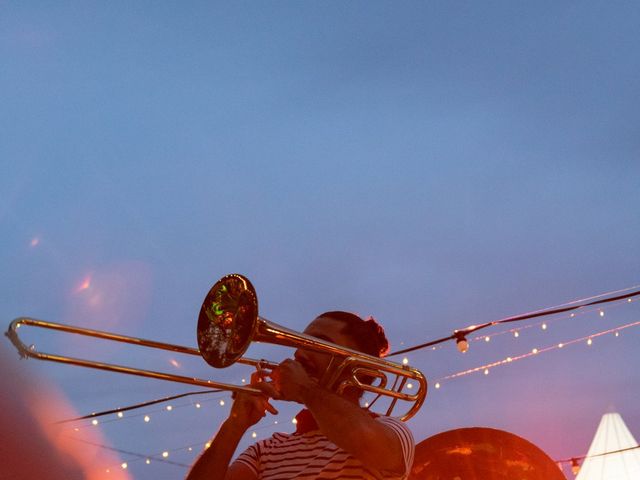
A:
(611, 408)
(612, 435)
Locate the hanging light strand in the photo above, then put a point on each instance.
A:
(138, 405)
(537, 351)
(574, 305)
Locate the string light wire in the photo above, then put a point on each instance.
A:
(584, 457)
(459, 335)
(138, 405)
(537, 351)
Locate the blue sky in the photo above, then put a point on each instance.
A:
(433, 164)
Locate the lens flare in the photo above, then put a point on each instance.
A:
(31, 412)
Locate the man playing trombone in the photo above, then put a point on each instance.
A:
(335, 437)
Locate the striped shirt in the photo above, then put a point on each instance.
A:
(311, 456)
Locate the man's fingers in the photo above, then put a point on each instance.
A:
(268, 389)
(271, 409)
(256, 377)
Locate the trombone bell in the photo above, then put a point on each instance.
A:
(227, 320)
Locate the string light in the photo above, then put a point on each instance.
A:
(147, 418)
(222, 403)
(538, 351)
(165, 454)
(405, 361)
(254, 434)
(120, 414)
(575, 467)
(564, 308)
(94, 422)
(437, 384)
(169, 408)
(124, 465)
(462, 344)
(543, 325)
(589, 342)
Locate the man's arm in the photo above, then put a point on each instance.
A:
(212, 464)
(247, 410)
(343, 422)
(354, 430)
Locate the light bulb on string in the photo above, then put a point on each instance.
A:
(462, 344)
(575, 466)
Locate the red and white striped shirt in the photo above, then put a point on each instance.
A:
(311, 456)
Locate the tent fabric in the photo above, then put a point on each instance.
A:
(612, 435)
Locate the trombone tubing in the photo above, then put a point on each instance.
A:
(25, 352)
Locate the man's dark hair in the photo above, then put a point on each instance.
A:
(368, 334)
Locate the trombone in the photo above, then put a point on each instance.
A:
(227, 324)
